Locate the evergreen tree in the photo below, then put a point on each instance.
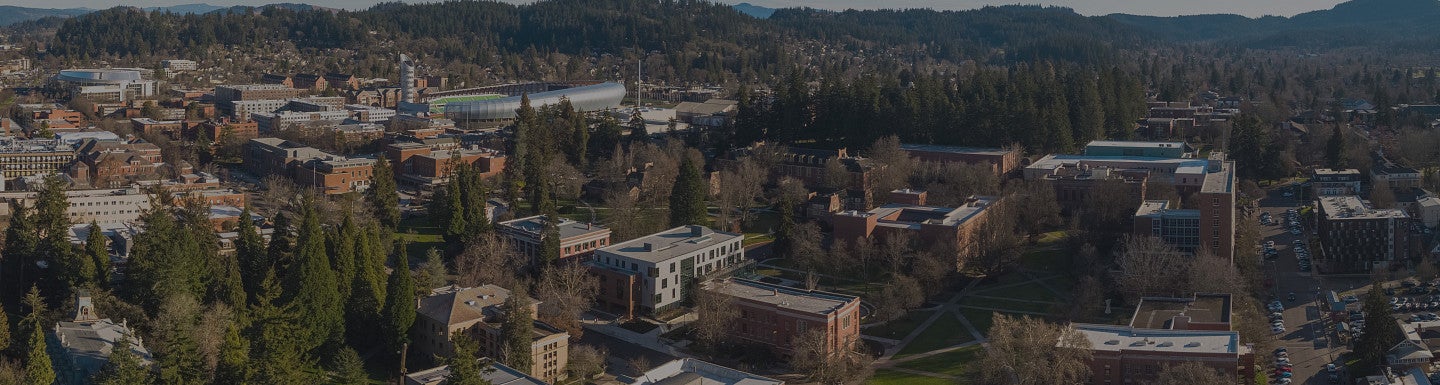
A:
(749, 119)
(282, 244)
(687, 198)
(367, 297)
(475, 197)
(517, 330)
(525, 122)
(1335, 149)
(99, 254)
(313, 286)
(348, 368)
(4, 329)
(38, 369)
(465, 369)
(785, 229)
(278, 356)
(455, 210)
(123, 367)
(550, 241)
(638, 132)
(382, 194)
(250, 252)
(21, 241)
(579, 138)
(432, 273)
(166, 260)
(342, 254)
(233, 367)
(399, 304)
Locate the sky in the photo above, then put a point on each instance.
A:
(1253, 8)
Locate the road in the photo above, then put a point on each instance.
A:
(1306, 336)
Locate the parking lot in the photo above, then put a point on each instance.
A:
(1306, 336)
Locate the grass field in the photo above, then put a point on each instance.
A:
(901, 327)
(1002, 304)
(1031, 291)
(956, 362)
(946, 331)
(422, 235)
(892, 377)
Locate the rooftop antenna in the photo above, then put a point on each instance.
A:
(639, 64)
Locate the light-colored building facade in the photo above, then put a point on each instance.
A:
(80, 348)
(479, 311)
(1327, 181)
(660, 269)
(577, 240)
(690, 371)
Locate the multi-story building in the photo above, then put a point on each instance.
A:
(1073, 183)
(316, 104)
(241, 110)
(1387, 173)
(217, 129)
(654, 274)
(930, 224)
(310, 82)
(178, 65)
(1165, 332)
(1355, 237)
(1172, 150)
(1001, 161)
(1179, 228)
(360, 132)
(479, 311)
(280, 79)
(276, 121)
(577, 240)
(23, 158)
(335, 174)
(153, 127)
(370, 114)
(423, 165)
(810, 166)
(107, 84)
(697, 372)
(774, 315)
(342, 81)
(1326, 181)
(496, 373)
(81, 347)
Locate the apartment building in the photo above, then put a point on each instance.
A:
(774, 315)
(578, 241)
(654, 274)
(479, 311)
(1326, 181)
(23, 158)
(1355, 237)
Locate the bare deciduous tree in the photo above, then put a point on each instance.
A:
(565, 292)
(1029, 351)
(899, 296)
(715, 312)
(814, 356)
(487, 259)
(1191, 373)
(1150, 266)
(586, 361)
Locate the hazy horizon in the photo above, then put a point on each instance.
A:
(1249, 8)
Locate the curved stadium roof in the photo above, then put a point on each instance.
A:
(585, 98)
(100, 76)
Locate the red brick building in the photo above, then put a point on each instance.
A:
(1000, 161)
(1166, 332)
(241, 130)
(812, 166)
(335, 175)
(577, 240)
(429, 162)
(928, 223)
(773, 315)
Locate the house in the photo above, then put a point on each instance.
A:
(479, 311)
(80, 347)
(774, 315)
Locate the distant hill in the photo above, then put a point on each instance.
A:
(755, 11)
(290, 6)
(197, 8)
(1355, 22)
(11, 14)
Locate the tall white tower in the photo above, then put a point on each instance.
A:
(407, 79)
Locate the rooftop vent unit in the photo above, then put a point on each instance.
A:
(1193, 344)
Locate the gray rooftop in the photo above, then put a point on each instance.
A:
(809, 301)
(1220, 181)
(1351, 207)
(670, 243)
(502, 375)
(954, 149)
(535, 225)
(1125, 338)
(89, 343)
(690, 371)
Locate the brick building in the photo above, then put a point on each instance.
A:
(1073, 183)
(308, 166)
(429, 162)
(479, 311)
(312, 82)
(239, 130)
(773, 315)
(929, 224)
(1355, 237)
(1001, 161)
(153, 127)
(810, 167)
(1165, 332)
(578, 241)
(654, 274)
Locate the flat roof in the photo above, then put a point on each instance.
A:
(1136, 143)
(690, 371)
(1158, 312)
(535, 225)
(671, 243)
(1329, 171)
(1152, 207)
(1125, 338)
(1053, 161)
(955, 149)
(808, 301)
(912, 216)
(1351, 207)
(1222, 181)
(501, 375)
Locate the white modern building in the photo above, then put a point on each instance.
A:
(179, 65)
(692, 371)
(666, 264)
(270, 122)
(106, 85)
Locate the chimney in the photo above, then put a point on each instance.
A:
(648, 247)
(695, 230)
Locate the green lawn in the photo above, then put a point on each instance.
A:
(957, 362)
(947, 331)
(1006, 304)
(901, 327)
(1046, 259)
(981, 319)
(1030, 291)
(891, 377)
(422, 235)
